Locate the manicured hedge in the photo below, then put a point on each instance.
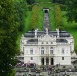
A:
(58, 17)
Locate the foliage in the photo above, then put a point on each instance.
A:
(30, 2)
(71, 6)
(34, 18)
(58, 17)
(58, 1)
(8, 37)
(20, 10)
(76, 48)
(13, 72)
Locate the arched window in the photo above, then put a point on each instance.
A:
(51, 50)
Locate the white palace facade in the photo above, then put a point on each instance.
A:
(47, 47)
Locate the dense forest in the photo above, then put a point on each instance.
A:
(11, 22)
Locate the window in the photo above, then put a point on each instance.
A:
(42, 50)
(31, 58)
(62, 50)
(31, 51)
(51, 50)
(62, 58)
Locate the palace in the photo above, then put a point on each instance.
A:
(47, 47)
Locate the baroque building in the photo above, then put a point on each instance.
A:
(46, 47)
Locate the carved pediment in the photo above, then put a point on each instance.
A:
(47, 38)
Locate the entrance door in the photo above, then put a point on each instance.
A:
(42, 61)
(47, 61)
(51, 61)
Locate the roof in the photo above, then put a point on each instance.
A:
(61, 41)
(32, 41)
(54, 33)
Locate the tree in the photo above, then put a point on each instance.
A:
(58, 1)
(8, 37)
(30, 2)
(71, 6)
(20, 9)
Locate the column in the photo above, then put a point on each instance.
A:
(44, 60)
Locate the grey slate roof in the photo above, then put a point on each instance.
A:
(61, 41)
(54, 33)
(32, 41)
